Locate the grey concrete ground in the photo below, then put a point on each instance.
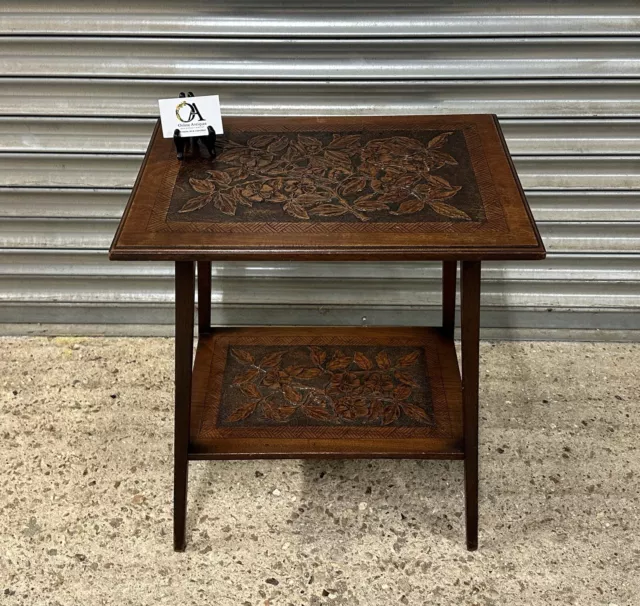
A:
(86, 474)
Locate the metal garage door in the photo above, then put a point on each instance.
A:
(78, 100)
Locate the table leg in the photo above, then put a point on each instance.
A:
(449, 270)
(204, 297)
(470, 289)
(185, 285)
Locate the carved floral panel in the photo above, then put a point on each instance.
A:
(383, 177)
(326, 386)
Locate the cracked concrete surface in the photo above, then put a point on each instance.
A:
(86, 475)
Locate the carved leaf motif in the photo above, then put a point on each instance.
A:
(405, 377)
(329, 210)
(272, 359)
(356, 388)
(233, 155)
(195, 204)
(423, 190)
(293, 371)
(406, 181)
(438, 140)
(291, 153)
(370, 203)
(278, 413)
(262, 140)
(277, 183)
(397, 171)
(251, 391)
(391, 197)
(273, 169)
(338, 159)
(409, 359)
(242, 412)
(284, 412)
(251, 195)
(283, 377)
(352, 380)
(438, 182)
(243, 355)
(318, 356)
(309, 144)
(383, 360)
(408, 207)
(441, 194)
(225, 204)
(220, 176)
(202, 186)
(390, 414)
(353, 185)
(246, 377)
(415, 412)
(339, 361)
(402, 392)
(336, 380)
(291, 394)
(310, 373)
(317, 412)
(375, 410)
(447, 210)
(265, 160)
(271, 379)
(340, 142)
(373, 381)
(318, 164)
(240, 199)
(295, 210)
(309, 199)
(386, 383)
(362, 361)
(278, 145)
(442, 158)
(350, 408)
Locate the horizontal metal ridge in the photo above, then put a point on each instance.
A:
(547, 205)
(508, 98)
(97, 234)
(120, 171)
(557, 266)
(319, 292)
(131, 135)
(336, 58)
(535, 323)
(248, 18)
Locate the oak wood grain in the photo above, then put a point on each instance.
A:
(348, 435)
(361, 188)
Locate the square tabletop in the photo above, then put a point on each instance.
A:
(332, 188)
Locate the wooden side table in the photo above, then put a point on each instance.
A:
(331, 189)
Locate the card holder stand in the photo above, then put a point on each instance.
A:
(182, 143)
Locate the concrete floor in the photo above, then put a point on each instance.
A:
(86, 475)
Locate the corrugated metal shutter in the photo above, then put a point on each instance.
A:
(78, 100)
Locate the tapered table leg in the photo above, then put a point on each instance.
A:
(204, 297)
(449, 270)
(185, 285)
(470, 370)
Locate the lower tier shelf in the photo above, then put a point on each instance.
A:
(326, 393)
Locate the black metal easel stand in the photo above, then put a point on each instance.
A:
(182, 143)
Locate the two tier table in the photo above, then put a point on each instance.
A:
(414, 188)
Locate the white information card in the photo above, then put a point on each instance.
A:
(192, 115)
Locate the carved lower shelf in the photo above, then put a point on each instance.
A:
(326, 392)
